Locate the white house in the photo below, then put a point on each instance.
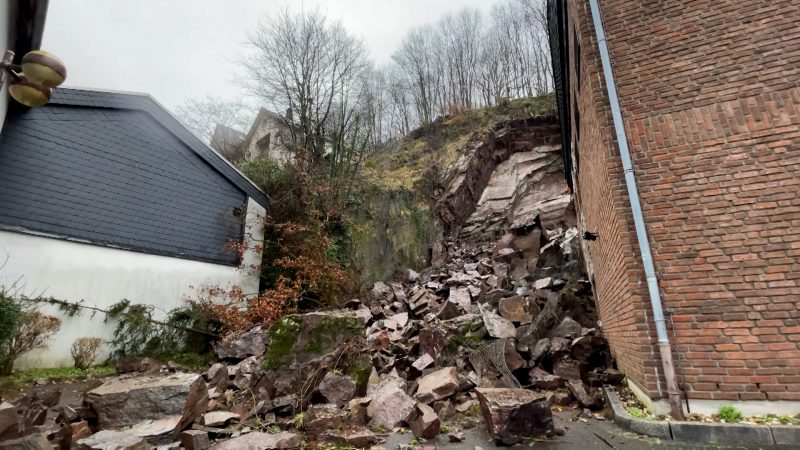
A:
(105, 196)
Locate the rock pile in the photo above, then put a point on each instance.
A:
(499, 333)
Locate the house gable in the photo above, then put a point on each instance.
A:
(116, 170)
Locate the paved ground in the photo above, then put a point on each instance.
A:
(590, 435)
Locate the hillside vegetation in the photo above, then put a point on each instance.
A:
(394, 224)
(403, 163)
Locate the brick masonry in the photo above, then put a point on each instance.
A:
(710, 96)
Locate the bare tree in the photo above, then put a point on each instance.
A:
(461, 63)
(416, 57)
(312, 65)
(460, 38)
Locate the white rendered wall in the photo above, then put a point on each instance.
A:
(102, 276)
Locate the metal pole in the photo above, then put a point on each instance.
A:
(638, 218)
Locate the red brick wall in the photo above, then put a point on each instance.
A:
(604, 208)
(710, 93)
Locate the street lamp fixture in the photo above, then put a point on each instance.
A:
(33, 80)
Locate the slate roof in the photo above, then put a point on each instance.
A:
(118, 170)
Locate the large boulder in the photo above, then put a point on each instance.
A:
(512, 415)
(299, 339)
(261, 441)
(124, 402)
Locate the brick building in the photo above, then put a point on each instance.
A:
(709, 95)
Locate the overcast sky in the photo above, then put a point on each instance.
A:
(174, 49)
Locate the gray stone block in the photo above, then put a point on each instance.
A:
(654, 428)
(786, 434)
(722, 433)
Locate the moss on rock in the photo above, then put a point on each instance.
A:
(330, 330)
(283, 336)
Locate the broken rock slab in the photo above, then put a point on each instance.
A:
(219, 418)
(437, 385)
(156, 432)
(390, 405)
(123, 402)
(424, 422)
(568, 328)
(261, 441)
(245, 345)
(512, 415)
(35, 441)
(541, 379)
(515, 309)
(113, 440)
(324, 417)
(591, 399)
(141, 364)
(358, 438)
(496, 326)
(337, 388)
(195, 440)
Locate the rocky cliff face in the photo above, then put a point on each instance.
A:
(468, 178)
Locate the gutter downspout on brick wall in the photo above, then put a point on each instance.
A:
(638, 219)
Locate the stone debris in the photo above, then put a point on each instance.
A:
(194, 440)
(262, 441)
(337, 388)
(503, 328)
(359, 438)
(424, 422)
(512, 415)
(251, 343)
(219, 418)
(437, 385)
(113, 440)
(124, 402)
(497, 326)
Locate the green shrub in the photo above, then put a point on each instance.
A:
(729, 414)
(10, 314)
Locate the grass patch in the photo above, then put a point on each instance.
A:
(57, 374)
(439, 144)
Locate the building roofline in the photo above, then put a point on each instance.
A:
(103, 98)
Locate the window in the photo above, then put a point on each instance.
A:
(263, 145)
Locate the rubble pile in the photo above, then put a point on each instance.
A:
(497, 332)
(463, 344)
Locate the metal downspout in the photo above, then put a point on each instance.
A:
(638, 219)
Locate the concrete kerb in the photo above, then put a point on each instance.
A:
(711, 433)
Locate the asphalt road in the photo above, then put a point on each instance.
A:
(592, 434)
